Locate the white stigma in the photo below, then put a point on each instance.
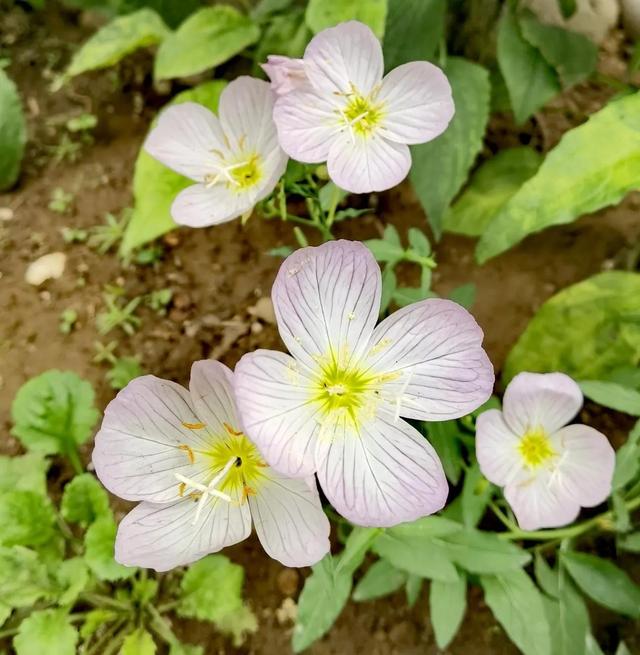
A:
(401, 397)
(224, 172)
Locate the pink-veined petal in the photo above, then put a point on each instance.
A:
(343, 57)
(363, 163)
(289, 520)
(149, 433)
(417, 103)
(200, 206)
(184, 138)
(162, 537)
(497, 448)
(587, 461)
(541, 400)
(383, 475)
(273, 393)
(327, 300)
(286, 74)
(211, 389)
(432, 352)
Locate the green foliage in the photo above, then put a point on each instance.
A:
(443, 436)
(46, 631)
(489, 189)
(24, 578)
(381, 579)
(573, 180)
(122, 36)
(327, 13)
(587, 330)
(627, 460)
(155, 186)
(447, 604)
(613, 395)
(568, 618)
(26, 517)
(84, 500)
(124, 370)
(440, 167)
(99, 543)
(139, 642)
(286, 34)
(13, 132)
(208, 38)
(61, 202)
(24, 473)
(73, 577)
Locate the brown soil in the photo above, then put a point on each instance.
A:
(218, 274)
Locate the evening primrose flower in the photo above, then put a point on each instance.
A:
(200, 479)
(548, 469)
(285, 73)
(234, 157)
(348, 115)
(334, 405)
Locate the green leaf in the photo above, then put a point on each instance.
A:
(208, 38)
(381, 579)
(573, 619)
(489, 189)
(427, 527)
(54, 412)
(96, 618)
(46, 631)
(440, 167)
(464, 295)
(84, 500)
(604, 583)
(517, 605)
(285, 34)
(547, 578)
(117, 39)
(585, 331)
(5, 613)
(23, 577)
(630, 542)
(99, 541)
(627, 460)
(413, 589)
(26, 518)
(530, 80)
(447, 603)
(185, 649)
(155, 186)
(476, 492)
(13, 132)
(593, 648)
(72, 576)
(389, 248)
(413, 32)
(572, 181)
(567, 7)
(24, 473)
(612, 395)
(139, 642)
(357, 546)
(443, 436)
(327, 13)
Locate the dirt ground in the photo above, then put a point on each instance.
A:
(218, 274)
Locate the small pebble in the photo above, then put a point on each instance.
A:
(6, 214)
(263, 310)
(288, 580)
(47, 267)
(256, 327)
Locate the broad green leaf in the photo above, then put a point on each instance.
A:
(99, 541)
(517, 605)
(26, 517)
(208, 38)
(413, 32)
(425, 528)
(604, 582)
(573, 55)
(24, 473)
(155, 186)
(612, 395)
(447, 603)
(547, 578)
(46, 631)
(476, 492)
(327, 13)
(630, 542)
(628, 376)
(443, 436)
(627, 460)
(572, 180)
(84, 500)
(5, 613)
(358, 543)
(585, 331)
(419, 243)
(489, 189)
(286, 34)
(139, 642)
(381, 579)
(530, 80)
(117, 39)
(23, 577)
(72, 576)
(323, 596)
(573, 619)
(54, 412)
(440, 167)
(13, 132)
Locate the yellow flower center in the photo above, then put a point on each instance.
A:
(246, 174)
(361, 114)
(535, 448)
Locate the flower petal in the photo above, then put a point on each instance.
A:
(211, 389)
(184, 138)
(587, 461)
(145, 439)
(497, 448)
(200, 206)
(385, 474)
(289, 520)
(417, 102)
(344, 56)
(432, 352)
(364, 163)
(547, 400)
(162, 537)
(326, 301)
(286, 74)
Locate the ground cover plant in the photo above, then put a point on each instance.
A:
(321, 327)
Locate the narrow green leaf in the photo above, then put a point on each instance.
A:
(413, 589)
(358, 543)
(448, 603)
(627, 460)
(547, 578)
(612, 395)
(381, 579)
(139, 642)
(84, 500)
(476, 492)
(99, 542)
(13, 132)
(46, 631)
(573, 619)
(443, 436)
(327, 13)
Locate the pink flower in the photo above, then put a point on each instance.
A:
(350, 116)
(334, 406)
(548, 469)
(200, 479)
(286, 74)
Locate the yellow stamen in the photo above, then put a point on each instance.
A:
(535, 448)
(194, 426)
(187, 449)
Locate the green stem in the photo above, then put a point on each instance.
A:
(160, 626)
(98, 647)
(74, 458)
(167, 607)
(104, 601)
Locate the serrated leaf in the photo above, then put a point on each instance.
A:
(381, 579)
(117, 39)
(447, 603)
(327, 13)
(99, 541)
(530, 80)
(13, 132)
(139, 642)
(572, 180)
(84, 500)
(72, 576)
(46, 631)
(155, 186)
(489, 189)
(23, 577)
(440, 167)
(207, 38)
(24, 473)
(585, 331)
(612, 395)
(26, 517)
